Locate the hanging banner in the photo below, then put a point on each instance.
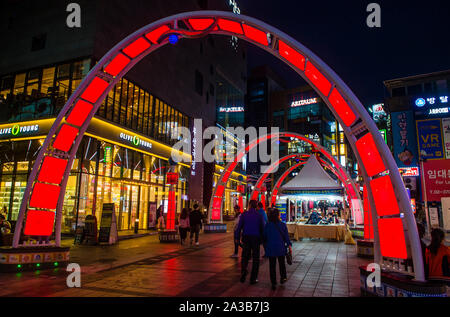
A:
(446, 135)
(405, 145)
(434, 217)
(437, 179)
(429, 135)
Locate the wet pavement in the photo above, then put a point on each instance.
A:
(145, 267)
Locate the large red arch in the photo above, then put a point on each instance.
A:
(394, 222)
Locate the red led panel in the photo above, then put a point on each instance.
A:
(39, 223)
(370, 155)
(384, 196)
(44, 196)
(255, 195)
(219, 191)
(217, 204)
(255, 34)
(291, 55)
(172, 178)
(117, 64)
(215, 214)
(65, 137)
(317, 79)
(79, 113)
(230, 26)
(392, 238)
(137, 47)
(154, 35)
(241, 203)
(342, 108)
(226, 175)
(200, 24)
(95, 90)
(52, 170)
(263, 201)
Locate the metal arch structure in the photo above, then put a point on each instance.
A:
(340, 172)
(273, 195)
(41, 205)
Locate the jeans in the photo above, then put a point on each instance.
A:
(273, 268)
(236, 248)
(251, 248)
(195, 230)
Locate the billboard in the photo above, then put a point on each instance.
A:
(437, 179)
(446, 136)
(403, 134)
(429, 137)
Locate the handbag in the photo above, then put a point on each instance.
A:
(288, 251)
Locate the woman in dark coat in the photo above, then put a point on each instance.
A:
(276, 242)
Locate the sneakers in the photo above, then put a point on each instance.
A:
(235, 256)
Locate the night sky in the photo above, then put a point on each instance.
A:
(414, 38)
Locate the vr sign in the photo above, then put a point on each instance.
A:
(430, 139)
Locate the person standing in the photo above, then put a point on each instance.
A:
(195, 221)
(262, 212)
(184, 224)
(237, 216)
(276, 241)
(251, 225)
(437, 255)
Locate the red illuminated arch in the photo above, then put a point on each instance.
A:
(44, 194)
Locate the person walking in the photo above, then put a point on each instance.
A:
(437, 255)
(251, 226)
(195, 221)
(237, 216)
(184, 224)
(276, 241)
(262, 212)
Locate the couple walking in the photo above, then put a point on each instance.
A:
(273, 235)
(190, 221)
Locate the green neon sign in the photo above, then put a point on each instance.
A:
(15, 129)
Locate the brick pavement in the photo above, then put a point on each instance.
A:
(144, 267)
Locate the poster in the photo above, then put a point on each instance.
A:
(282, 208)
(446, 136)
(434, 218)
(429, 136)
(403, 134)
(446, 212)
(108, 225)
(437, 179)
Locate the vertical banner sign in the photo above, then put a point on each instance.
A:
(195, 190)
(152, 215)
(437, 179)
(434, 218)
(446, 212)
(446, 132)
(430, 139)
(405, 146)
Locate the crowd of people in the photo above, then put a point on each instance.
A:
(254, 228)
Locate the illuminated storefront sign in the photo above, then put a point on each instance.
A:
(304, 102)
(383, 134)
(378, 112)
(409, 171)
(438, 111)
(421, 102)
(231, 109)
(135, 140)
(17, 129)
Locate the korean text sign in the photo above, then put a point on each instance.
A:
(437, 179)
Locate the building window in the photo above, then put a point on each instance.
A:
(398, 92)
(38, 42)
(203, 4)
(199, 83)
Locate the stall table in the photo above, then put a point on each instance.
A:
(334, 232)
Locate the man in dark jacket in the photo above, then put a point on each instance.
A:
(195, 221)
(251, 224)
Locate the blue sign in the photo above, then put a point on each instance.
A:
(404, 137)
(429, 134)
(420, 102)
(282, 208)
(432, 101)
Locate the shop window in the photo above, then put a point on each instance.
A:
(398, 92)
(80, 70)
(123, 102)
(19, 83)
(6, 86)
(48, 78)
(116, 111)
(62, 82)
(142, 102)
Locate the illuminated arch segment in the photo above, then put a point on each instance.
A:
(42, 201)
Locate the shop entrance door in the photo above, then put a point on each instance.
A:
(134, 199)
(124, 207)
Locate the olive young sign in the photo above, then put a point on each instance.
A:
(135, 140)
(17, 129)
(25, 129)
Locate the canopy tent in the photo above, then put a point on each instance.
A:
(312, 178)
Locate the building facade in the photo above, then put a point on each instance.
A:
(420, 112)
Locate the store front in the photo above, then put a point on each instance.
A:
(112, 165)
